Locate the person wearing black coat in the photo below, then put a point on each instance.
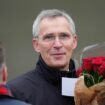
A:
(42, 86)
(55, 39)
(6, 97)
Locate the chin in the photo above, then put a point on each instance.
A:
(59, 65)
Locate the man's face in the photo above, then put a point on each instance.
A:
(55, 42)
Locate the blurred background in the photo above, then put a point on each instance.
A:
(16, 19)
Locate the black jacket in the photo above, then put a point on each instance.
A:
(42, 86)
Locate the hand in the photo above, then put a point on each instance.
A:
(83, 95)
(94, 95)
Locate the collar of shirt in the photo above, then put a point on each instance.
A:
(4, 90)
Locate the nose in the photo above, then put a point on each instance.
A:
(57, 43)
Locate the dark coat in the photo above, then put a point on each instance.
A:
(42, 86)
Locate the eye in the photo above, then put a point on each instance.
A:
(64, 36)
(48, 37)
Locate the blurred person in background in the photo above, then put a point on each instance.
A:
(6, 97)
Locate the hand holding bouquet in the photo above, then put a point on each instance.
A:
(90, 87)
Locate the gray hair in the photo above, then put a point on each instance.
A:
(51, 13)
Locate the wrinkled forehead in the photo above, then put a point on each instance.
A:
(59, 24)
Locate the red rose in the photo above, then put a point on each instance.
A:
(79, 71)
(98, 60)
(93, 67)
(96, 67)
(87, 64)
(101, 70)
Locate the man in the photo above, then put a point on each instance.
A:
(54, 38)
(6, 97)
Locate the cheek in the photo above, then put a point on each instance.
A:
(72, 44)
(44, 48)
(69, 46)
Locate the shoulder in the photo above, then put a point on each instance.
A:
(19, 80)
(25, 79)
(23, 86)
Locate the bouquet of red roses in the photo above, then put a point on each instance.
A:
(90, 87)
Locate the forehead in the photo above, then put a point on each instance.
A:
(54, 24)
(52, 19)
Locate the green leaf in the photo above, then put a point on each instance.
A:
(95, 76)
(88, 80)
(100, 79)
(85, 72)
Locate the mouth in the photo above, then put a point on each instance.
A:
(58, 55)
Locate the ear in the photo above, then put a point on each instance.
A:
(35, 43)
(4, 74)
(75, 41)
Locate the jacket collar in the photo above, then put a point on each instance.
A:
(4, 91)
(52, 74)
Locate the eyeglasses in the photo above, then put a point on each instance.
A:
(51, 37)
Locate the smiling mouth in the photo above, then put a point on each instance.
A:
(58, 54)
